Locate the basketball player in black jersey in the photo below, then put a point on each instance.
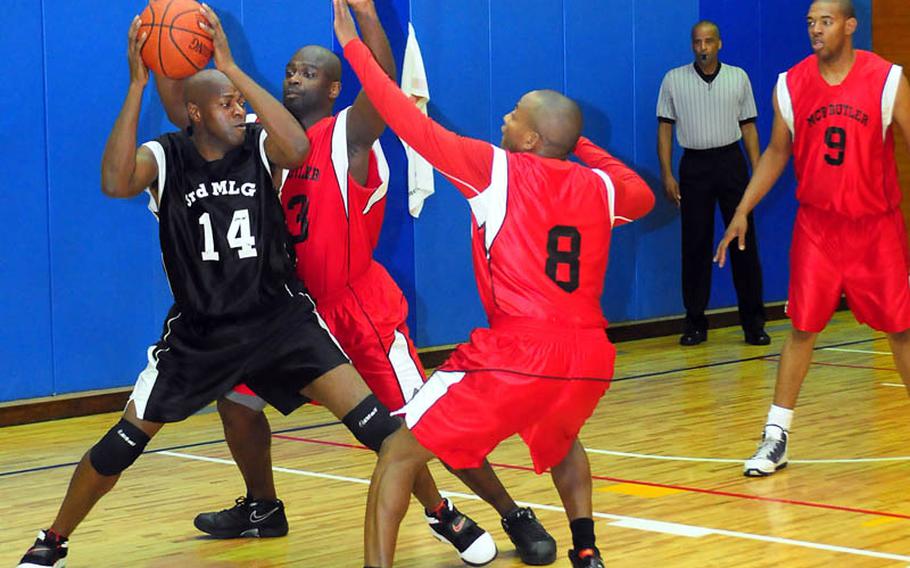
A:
(315, 85)
(239, 312)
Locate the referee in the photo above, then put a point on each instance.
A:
(713, 108)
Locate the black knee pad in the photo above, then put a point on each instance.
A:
(371, 423)
(118, 449)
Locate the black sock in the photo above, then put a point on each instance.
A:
(582, 533)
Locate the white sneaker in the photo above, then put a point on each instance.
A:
(475, 546)
(771, 454)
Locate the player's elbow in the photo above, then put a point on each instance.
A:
(647, 200)
(641, 200)
(295, 152)
(113, 185)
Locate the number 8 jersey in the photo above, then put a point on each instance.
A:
(222, 231)
(843, 146)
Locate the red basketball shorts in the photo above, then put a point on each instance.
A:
(864, 259)
(368, 318)
(542, 385)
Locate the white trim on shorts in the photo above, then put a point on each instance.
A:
(145, 383)
(252, 401)
(433, 390)
(407, 372)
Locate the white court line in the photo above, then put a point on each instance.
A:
(690, 531)
(856, 351)
(725, 460)
(893, 385)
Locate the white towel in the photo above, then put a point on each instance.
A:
(414, 84)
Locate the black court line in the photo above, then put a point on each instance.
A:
(169, 449)
(733, 361)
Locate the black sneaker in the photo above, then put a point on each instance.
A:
(534, 544)
(475, 546)
(586, 558)
(247, 518)
(49, 550)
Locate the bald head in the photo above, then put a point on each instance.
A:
(845, 7)
(204, 85)
(556, 118)
(321, 58)
(705, 26)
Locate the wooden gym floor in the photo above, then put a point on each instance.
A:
(666, 446)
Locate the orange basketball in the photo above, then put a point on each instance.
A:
(176, 46)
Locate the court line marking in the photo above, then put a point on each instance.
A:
(41, 468)
(623, 521)
(765, 356)
(776, 359)
(726, 460)
(713, 492)
(857, 351)
(892, 384)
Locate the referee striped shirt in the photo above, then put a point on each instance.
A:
(708, 110)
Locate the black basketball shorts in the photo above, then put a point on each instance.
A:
(277, 353)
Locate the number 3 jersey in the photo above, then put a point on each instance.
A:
(843, 146)
(334, 221)
(223, 237)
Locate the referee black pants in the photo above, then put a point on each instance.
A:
(708, 177)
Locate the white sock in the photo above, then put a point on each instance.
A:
(780, 417)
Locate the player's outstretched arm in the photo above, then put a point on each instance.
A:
(769, 169)
(364, 123)
(902, 109)
(287, 144)
(126, 171)
(467, 162)
(634, 199)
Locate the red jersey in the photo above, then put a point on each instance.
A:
(541, 227)
(334, 221)
(843, 146)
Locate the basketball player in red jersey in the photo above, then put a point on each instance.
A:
(334, 205)
(833, 113)
(541, 235)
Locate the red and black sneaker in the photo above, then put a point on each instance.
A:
(49, 551)
(586, 558)
(475, 546)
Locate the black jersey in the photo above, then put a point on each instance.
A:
(221, 226)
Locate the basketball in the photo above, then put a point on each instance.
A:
(176, 47)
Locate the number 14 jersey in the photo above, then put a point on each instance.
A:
(223, 238)
(843, 146)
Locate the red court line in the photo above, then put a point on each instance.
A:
(714, 492)
(775, 359)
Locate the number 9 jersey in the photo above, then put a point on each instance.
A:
(222, 231)
(843, 146)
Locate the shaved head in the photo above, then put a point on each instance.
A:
(204, 85)
(845, 7)
(556, 118)
(322, 58)
(706, 24)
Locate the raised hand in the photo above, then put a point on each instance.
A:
(222, 56)
(344, 24)
(735, 230)
(139, 73)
